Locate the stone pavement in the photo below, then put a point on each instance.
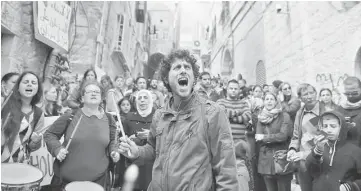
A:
(294, 186)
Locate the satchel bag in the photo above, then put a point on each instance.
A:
(282, 166)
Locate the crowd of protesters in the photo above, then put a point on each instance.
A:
(279, 132)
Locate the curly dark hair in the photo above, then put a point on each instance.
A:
(167, 62)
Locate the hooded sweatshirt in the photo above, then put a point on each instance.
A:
(355, 118)
(339, 163)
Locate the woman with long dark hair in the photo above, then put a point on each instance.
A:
(74, 100)
(8, 81)
(22, 121)
(125, 106)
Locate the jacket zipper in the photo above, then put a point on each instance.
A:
(167, 159)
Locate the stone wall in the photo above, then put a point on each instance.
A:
(83, 52)
(314, 43)
(303, 42)
(24, 51)
(21, 51)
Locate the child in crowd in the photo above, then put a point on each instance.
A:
(334, 163)
(244, 174)
(125, 106)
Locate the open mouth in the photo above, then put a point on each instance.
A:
(29, 91)
(183, 81)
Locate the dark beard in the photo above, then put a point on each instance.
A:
(354, 99)
(154, 86)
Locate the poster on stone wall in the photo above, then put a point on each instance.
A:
(52, 23)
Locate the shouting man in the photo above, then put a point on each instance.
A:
(190, 138)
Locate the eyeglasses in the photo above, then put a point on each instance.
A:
(288, 88)
(92, 91)
(351, 94)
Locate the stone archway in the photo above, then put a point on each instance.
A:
(358, 63)
(260, 73)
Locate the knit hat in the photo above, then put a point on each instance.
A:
(277, 83)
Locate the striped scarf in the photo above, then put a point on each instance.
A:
(348, 105)
(266, 116)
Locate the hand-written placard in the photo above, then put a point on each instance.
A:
(53, 22)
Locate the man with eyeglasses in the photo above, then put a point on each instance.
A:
(351, 108)
(305, 130)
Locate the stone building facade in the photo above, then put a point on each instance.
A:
(314, 42)
(107, 36)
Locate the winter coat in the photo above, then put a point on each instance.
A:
(354, 133)
(338, 164)
(132, 124)
(297, 130)
(213, 96)
(192, 148)
(291, 107)
(276, 136)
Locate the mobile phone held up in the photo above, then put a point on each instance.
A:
(320, 132)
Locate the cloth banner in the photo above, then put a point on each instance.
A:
(41, 158)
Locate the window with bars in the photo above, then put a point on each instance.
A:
(260, 73)
(119, 40)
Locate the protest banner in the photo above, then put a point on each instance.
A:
(42, 159)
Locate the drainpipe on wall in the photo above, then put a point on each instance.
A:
(100, 37)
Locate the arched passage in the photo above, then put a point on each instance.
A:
(260, 73)
(358, 63)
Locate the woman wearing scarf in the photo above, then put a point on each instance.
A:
(272, 133)
(136, 126)
(256, 108)
(22, 121)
